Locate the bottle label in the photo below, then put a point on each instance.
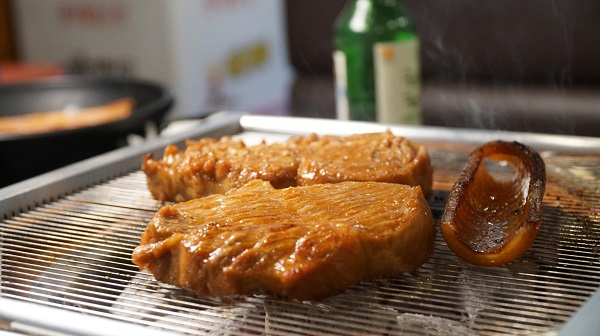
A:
(341, 85)
(397, 82)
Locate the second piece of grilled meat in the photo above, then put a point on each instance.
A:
(211, 166)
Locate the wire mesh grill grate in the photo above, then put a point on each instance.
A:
(74, 253)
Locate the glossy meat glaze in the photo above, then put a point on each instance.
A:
(210, 166)
(304, 243)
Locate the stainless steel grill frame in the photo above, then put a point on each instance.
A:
(66, 239)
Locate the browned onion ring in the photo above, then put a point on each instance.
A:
(490, 221)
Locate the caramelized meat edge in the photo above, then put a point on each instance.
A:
(490, 220)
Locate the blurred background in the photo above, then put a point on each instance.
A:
(519, 65)
(508, 65)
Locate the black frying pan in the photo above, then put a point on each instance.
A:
(24, 156)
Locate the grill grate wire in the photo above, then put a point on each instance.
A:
(74, 253)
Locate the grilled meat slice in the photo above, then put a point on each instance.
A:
(304, 243)
(210, 166)
(380, 157)
(490, 219)
(214, 166)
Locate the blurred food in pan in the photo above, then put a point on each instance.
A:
(71, 117)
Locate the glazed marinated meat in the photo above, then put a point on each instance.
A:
(304, 243)
(210, 166)
(490, 220)
(380, 157)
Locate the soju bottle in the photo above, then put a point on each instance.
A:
(376, 63)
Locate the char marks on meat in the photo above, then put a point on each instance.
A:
(305, 243)
(210, 166)
(490, 220)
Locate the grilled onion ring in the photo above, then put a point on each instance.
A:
(491, 221)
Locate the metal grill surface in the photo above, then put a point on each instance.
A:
(74, 253)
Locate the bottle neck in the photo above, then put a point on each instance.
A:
(377, 16)
(377, 3)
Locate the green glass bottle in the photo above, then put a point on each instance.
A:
(376, 63)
